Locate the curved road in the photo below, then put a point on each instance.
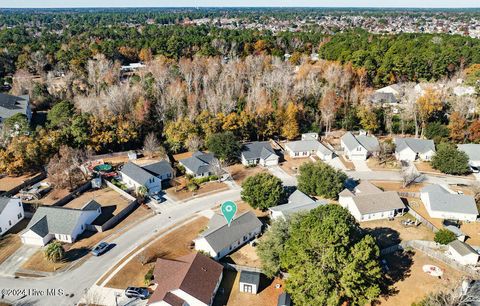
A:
(77, 281)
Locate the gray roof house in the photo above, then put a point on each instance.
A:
(359, 147)
(383, 98)
(411, 149)
(367, 202)
(308, 146)
(444, 204)
(161, 169)
(135, 177)
(473, 152)
(62, 223)
(11, 105)
(259, 152)
(297, 202)
(220, 239)
(199, 164)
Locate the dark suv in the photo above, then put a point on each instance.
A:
(136, 292)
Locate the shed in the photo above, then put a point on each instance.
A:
(284, 299)
(249, 282)
(463, 253)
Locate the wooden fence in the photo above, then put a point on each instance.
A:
(72, 195)
(424, 221)
(240, 268)
(28, 182)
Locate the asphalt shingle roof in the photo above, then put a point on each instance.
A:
(3, 203)
(11, 105)
(442, 200)
(199, 163)
(417, 145)
(297, 202)
(472, 150)
(219, 235)
(256, 150)
(136, 173)
(462, 248)
(308, 145)
(370, 143)
(250, 277)
(58, 220)
(159, 168)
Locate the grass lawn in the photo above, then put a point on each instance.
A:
(86, 242)
(397, 186)
(239, 172)
(229, 293)
(374, 164)
(176, 243)
(207, 188)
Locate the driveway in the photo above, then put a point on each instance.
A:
(93, 268)
(361, 165)
(287, 179)
(336, 163)
(17, 259)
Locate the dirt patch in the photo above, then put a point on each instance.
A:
(239, 172)
(397, 186)
(229, 293)
(106, 197)
(414, 284)
(426, 167)
(472, 230)
(9, 182)
(348, 164)
(246, 256)
(175, 244)
(205, 189)
(374, 164)
(292, 165)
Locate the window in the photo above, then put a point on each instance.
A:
(10, 222)
(19, 216)
(245, 238)
(19, 204)
(359, 148)
(296, 153)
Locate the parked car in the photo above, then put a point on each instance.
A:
(101, 248)
(136, 292)
(157, 198)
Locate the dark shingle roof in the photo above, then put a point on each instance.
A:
(284, 299)
(136, 173)
(199, 163)
(11, 105)
(159, 168)
(256, 150)
(219, 235)
(250, 277)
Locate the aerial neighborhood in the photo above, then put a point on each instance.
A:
(239, 157)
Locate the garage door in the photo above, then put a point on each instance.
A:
(32, 241)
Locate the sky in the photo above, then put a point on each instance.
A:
(238, 3)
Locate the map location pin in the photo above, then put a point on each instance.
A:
(229, 209)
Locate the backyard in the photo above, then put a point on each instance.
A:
(9, 182)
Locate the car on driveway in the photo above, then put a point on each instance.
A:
(101, 248)
(157, 198)
(137, 292)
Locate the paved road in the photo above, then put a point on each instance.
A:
(77, 281)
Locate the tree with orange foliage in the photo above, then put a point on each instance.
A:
(145, 55)
(427, 104)
(290, 128)
(457, 126)
(474, 131)
(129, 53)
(328, 106)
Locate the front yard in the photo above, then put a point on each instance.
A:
(174, 244)
(239, 172)
(374, 164)
(10, 242)
(204, 189)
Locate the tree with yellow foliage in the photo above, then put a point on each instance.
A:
(429, 103)
(290, 128)
(368, 118)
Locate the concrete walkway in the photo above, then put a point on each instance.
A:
(361, 165)
(13, 263)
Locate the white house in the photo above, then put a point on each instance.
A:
(249, 282)
(394, 89)
(411, 149)
(463, 253)
(308, 146)
(359, 147)
(200, 164)
(297, 202)
(161, 169)
(135, 177)
(220, 239)
(258, 153)
(62, 223)
(188, 280)
(11, 212)
(440, 203)
(367, 202)
(473, 152)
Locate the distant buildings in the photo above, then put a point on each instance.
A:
(11, 105)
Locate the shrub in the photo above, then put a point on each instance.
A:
(444, 236)
(262, 191)
(449, 160)
(54, 251)
(321, 179)
(148, 277)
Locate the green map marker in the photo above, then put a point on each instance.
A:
(229, 209)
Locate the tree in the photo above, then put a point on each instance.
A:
(368, 119)
(65, 169)
(271, 246)
(330, 260)
(457, 126)
(321, 179)
(14, 126)
(450, 160)
(61, 115)
(474, 131)
(54, 251)
(225, 146)
(427, 104)
(262, 191)
(437, 131)
(290, 129)
(151, 145)
(444, 236)
(454, 296)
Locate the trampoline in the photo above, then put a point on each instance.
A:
(103, 168)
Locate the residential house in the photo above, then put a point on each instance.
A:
(11, 105)
(411, 149)
(161, 169)
(463, 253)
(441, 203)
(220, 239)
(394, 89)
(368, 202)
(136, 177)
(11, 212)
(259, 152)
(188, 280)
(249, 281)
(62, 223)
(297, 202)
(308, 146)
(200, 164)
(473, 152)
(359, 147)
